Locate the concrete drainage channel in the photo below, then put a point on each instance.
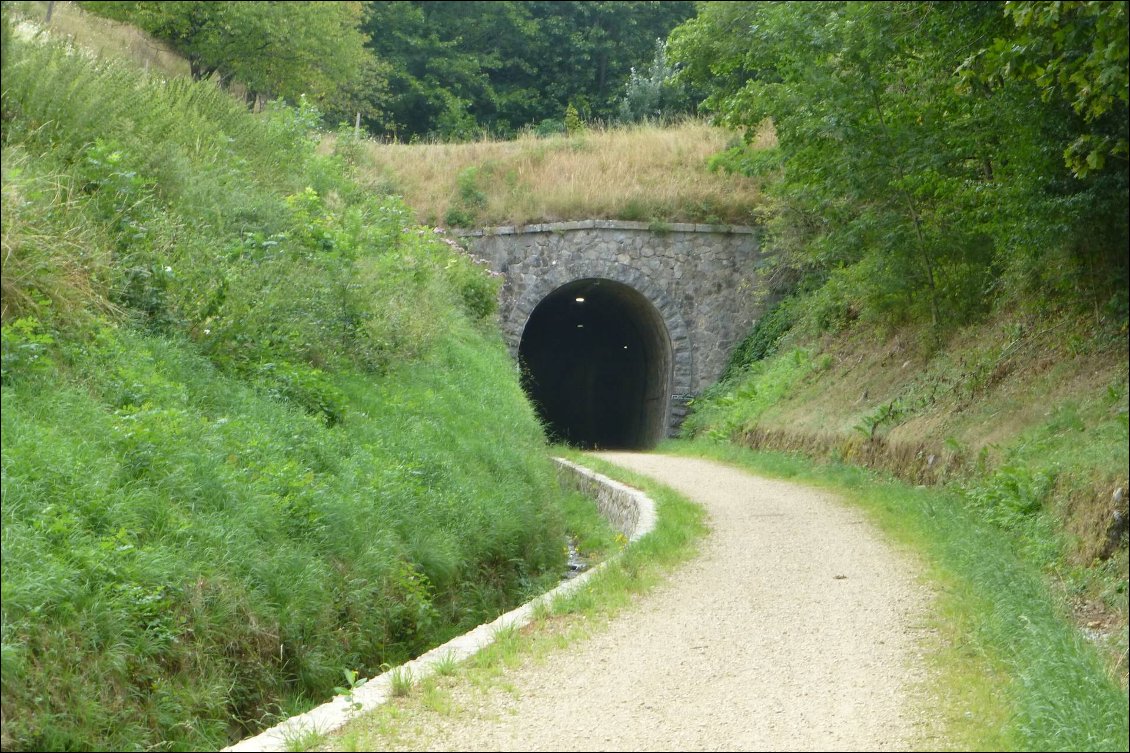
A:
(629, 511)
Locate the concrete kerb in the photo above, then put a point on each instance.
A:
(629, 510)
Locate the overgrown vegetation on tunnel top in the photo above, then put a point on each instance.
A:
(645, 173)
(258, 427)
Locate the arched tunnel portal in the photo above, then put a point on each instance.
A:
(597, 365)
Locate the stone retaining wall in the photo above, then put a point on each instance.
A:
(628, 510)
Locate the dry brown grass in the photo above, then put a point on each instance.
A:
(52, 258)
(106, 38)
(644, 173)
(996, 386)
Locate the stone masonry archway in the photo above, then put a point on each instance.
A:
(700, 281)
(597, 364)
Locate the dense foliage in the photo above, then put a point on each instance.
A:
(257, 428)
(461, 68)
(272, 50)
(933, 158)
(451, 70)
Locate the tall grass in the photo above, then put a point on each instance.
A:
(257, 428)
(181, 549)
(105, 38)
(644, 173)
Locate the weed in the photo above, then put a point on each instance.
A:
(438, 701)
(543, 610)
(352, 684)
(445, 665)
(401, 681)
(886, 414)
(307, 739)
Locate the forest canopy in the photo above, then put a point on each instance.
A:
(449, 70)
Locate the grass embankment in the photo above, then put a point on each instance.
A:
(640, 173)
(257, 428)
(104, 38)
(1010, 671)
(407, 720)
(1026, 412)
(1014, 431)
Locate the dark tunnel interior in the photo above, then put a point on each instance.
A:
(597, 364)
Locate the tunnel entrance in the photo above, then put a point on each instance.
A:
(597, 365)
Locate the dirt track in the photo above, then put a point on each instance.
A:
(796, 628)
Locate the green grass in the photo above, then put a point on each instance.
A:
(208, 549)
(730, 406)
(401, 682)
(257, 427)
(594, 539)
(445, 666)
(1013, 671)
(567, 619)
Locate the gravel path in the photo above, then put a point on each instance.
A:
(796, 628)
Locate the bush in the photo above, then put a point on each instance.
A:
(762, 341)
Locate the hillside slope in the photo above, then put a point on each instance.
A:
(1024, 414)
(258, 428)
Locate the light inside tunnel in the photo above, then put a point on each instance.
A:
(598, 374)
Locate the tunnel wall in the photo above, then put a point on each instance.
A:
(702, 279)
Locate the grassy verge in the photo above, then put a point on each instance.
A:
(1013, 671)
(1024, 416)
(444, 698)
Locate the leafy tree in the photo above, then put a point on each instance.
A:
(910, 190)
(366, 94)
(434, 80)
(1075, 52)
(655, 94)
(275, 49)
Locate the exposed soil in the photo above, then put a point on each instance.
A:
(796, 628)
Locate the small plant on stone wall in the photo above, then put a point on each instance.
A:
(446, 665)
(352, 684)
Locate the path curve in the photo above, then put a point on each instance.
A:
(796, 628)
